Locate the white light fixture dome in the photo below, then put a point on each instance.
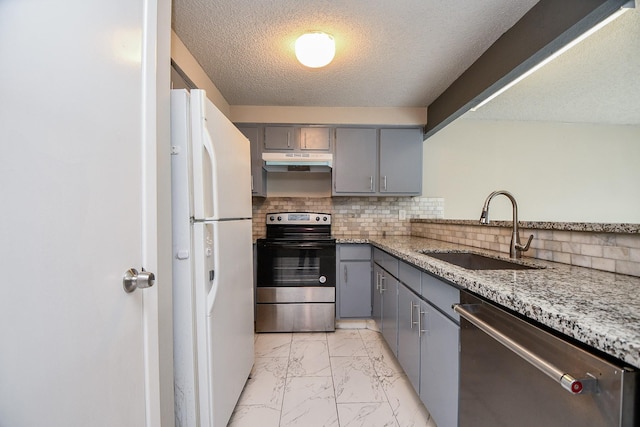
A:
(315, 49)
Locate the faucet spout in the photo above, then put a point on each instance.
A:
(516, 247)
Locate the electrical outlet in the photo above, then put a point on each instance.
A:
(402, 215)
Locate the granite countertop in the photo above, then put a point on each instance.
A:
(597, 308)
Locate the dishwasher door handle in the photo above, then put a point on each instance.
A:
(568, 382)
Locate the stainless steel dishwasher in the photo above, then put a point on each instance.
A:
(513, 373)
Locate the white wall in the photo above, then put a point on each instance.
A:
(557, 171)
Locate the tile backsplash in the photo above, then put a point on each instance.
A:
(614, 252)
(359, 217)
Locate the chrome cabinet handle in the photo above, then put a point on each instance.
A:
(420, 330)
(133, 280)
(382, 279)
(384, 180)
(345, 274)
(371, 183)
(411, 321)
(288, 139)
(568, 382)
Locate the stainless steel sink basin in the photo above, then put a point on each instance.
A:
(473, 261)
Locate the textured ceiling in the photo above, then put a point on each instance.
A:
(597, 81)
(401, 53)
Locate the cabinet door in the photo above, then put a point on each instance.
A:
(355, 289)
(400, 161)
(376, 296)
(439, 371)
(355, 162)
(390, 311)
(258, 174)
(279, 138)
(315, 138)
(408, 337)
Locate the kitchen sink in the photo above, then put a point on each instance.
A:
(473, 261)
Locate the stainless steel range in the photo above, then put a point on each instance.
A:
(296, 277)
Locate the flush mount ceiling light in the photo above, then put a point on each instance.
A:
(315, 49)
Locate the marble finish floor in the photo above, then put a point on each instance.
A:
(344, 378)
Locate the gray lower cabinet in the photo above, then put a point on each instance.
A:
(389, 286)
(439, 371)
(385, 306)
(409, 334)
(354, 280)
(417, 321)
(376, 296)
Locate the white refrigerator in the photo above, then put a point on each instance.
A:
(212, 264)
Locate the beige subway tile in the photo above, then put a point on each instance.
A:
(591, 250)
(603, 264)
(581, 260)
(627, 267)
(616, 252)
(561, 257)
(628, 240)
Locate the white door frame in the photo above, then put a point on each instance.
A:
(156, 228)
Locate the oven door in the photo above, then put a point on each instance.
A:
(296, 286)
(296, 264)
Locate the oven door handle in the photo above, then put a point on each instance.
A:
(314, 245)
(568, 382)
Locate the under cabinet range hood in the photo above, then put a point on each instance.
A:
(297, 162)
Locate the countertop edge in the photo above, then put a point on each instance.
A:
(624, 228)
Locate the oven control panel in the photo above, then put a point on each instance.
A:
(299, 218)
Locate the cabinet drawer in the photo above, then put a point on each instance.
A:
(386, 261)
(440, 294)
(410, 276)
(357, 252)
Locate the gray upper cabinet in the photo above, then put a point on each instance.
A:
(258, 174)
(355, 161)
(400, 161)
(297, 138)
(279, 137)
(378, 161)
(315, 138)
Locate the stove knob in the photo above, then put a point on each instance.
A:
(324, 218)
(271, 218)
(317, 218)
(279, 218)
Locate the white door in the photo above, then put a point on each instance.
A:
(75, 349)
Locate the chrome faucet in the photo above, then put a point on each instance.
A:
(515, 248)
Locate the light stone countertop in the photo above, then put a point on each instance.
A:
(597, 308)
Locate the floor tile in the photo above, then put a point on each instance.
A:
(266, 383)
(355, 380)
(309, 402)
(309, 358)
(405, 402)
(254, 415)
(346, 344)
(376, 414)
(344, 378)
(273, 345)
(384, 361)
(369, 334)
(309, 336)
